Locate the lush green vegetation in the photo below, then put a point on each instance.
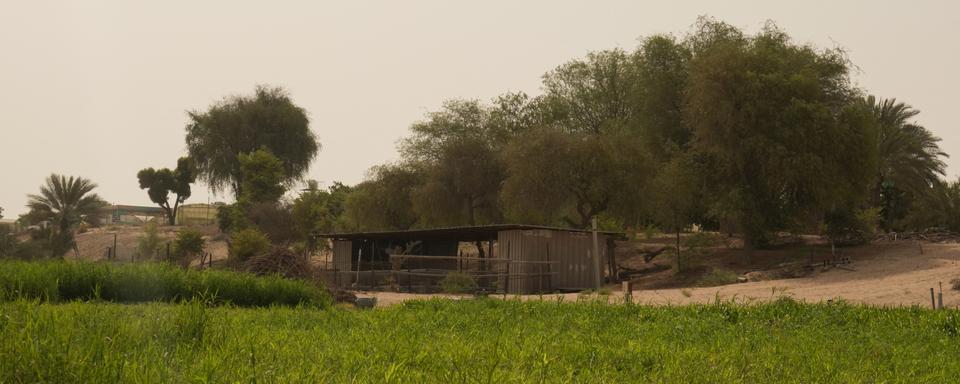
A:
(477, 341)
(56, 281)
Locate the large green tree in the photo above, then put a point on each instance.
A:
(242, 124)
(160, 183)
(593, 94)
(456, 149)
(567, 178)
(660, 76)
(766, 112)
(65, 202)
(385, 200)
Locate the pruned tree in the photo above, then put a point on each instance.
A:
(160, 183)
(243, 124)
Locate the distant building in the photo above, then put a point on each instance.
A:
(131, 215)
(197, 214)
(10, 223)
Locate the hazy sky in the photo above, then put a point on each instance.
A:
(99, 89)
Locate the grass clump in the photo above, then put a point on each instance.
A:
(247, 243)
(57, 281)
(717, 277)
(442, 341)
(457, 282)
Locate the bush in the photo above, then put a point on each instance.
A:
(717, 277)
(247, 243)
(149, 243)
(62, 281)
(187, 245)
(456, 282)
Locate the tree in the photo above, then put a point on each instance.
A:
(187, 246)
(677, 195)
(765, 114)
(160, 183)
(566, 178)
(592, 95)
(65, 202)
(456, 149)
(319, 211)
(909, 158)
(938, 206)
(385, 200)
(263, 177)
(661, 73)
(243, 124)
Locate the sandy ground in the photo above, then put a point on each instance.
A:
(94, 243)
(892, 274)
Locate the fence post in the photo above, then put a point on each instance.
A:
(628, 292)
(506, 279)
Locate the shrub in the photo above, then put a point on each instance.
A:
(148, 244)
(456, 282)
(187, 245)
(650, 231)
(247, 243)
(717, 277)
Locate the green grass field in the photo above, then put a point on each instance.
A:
(489, 341)
(57, 281)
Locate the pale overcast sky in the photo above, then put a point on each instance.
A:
(99, 88)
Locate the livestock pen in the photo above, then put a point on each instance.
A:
(503, 258)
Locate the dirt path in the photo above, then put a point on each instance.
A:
(893, 274)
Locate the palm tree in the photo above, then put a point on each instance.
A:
(65, 202)
(909, 159)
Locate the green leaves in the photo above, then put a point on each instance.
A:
(243, 124)
(160, 183)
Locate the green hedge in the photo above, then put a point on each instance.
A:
(65, 281)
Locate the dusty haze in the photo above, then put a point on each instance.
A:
(99, 89)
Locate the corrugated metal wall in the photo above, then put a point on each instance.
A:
(342, 250)
(572, 265)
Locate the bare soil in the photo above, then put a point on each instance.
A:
(884, 274)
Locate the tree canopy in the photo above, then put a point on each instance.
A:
(160, 183)
(242, 124)
(65, 202)
(754, 133)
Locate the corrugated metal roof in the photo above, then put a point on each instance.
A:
(465, 233)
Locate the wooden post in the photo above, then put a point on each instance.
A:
(940, 297)
(933, 302)
(359, 258)
(596, 257)
(628, 291)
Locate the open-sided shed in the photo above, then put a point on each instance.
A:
(510, 258)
